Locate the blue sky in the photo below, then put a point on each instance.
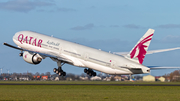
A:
(114, 25)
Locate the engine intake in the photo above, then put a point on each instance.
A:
(32, 58)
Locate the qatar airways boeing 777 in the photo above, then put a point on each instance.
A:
(35, 47)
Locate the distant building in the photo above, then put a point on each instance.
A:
(107, 79)
(157, 78)
(117, 78)
(96, 78)
(69, 79)
(162, 79)
(5, 79)
(56, 79)
(24, 78)
(1, 77)
(176, 78)
(36, 77)
(83, 78)
(124, 78)
(44, 77)
(168, 79)
(149, 78)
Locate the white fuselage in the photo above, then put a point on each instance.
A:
(79, 55)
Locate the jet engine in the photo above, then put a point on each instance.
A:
(32, 58)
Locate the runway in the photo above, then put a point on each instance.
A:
(93, 84)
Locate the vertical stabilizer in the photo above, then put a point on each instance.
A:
(138, 52)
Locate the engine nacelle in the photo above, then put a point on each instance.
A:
(32, 58)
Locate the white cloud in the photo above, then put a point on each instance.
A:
(66, 9)
(132, 26)
(88, 26)
(169, 26)
(23, 5)
(171, 39)
(114, 25)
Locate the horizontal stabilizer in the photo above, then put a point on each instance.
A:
(150, 51)
(161, 67)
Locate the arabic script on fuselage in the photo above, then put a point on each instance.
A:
(53, 43)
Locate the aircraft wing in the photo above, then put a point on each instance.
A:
(6, 44)
(50, 54)
(162, 67)
(149, 52)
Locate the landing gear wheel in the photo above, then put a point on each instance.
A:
(94, 74)
(64, 73)
(59, 73)
(54, 70)
(85, 70)
(59, 70)
(89, 72)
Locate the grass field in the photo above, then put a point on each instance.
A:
(88, 92)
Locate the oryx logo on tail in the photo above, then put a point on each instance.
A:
(142, 49)
(139, 51)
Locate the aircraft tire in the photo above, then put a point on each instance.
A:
(94, 73)
(64, 73)
(90, 74)
(85, 70)
(54, 70)
(59, 73)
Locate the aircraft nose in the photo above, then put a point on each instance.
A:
(15, 36)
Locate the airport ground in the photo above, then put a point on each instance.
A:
(89, 91)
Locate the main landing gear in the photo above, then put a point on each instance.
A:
(90, 72)
(59, 71)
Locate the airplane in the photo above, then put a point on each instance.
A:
(35, 47)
